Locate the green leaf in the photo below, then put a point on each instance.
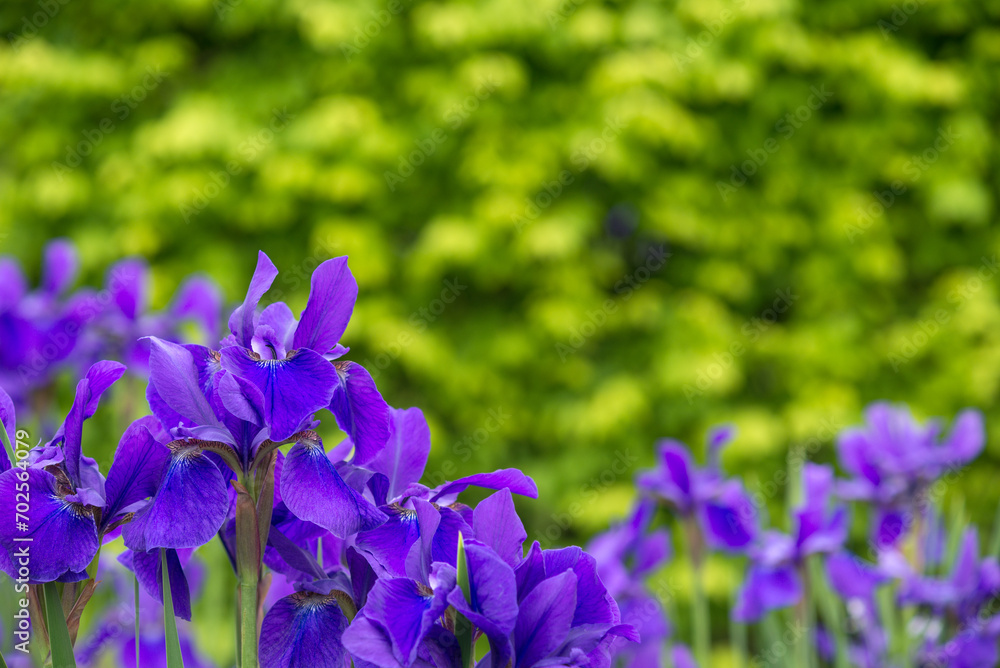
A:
(6, 444)
(174, 658)
(463, 627)
(59, 643)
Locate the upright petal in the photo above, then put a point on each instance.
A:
(189, 507)
(9, 422)
(314, 491)
(63, 536)
(496, 524)
(360, 410)
(331, 302)
(175, 374)
(966, 439)
(294, 388)
(405, 455)
(13, 285)
(100, 377)
(128, 282)
(241, 322)
(199, 299)
(304, 630)
(135, 471)
(544, 619)
(59, 266)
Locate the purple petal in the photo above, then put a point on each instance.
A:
(59, 266)
(492, 604)
(331, 302)
(100, 377)
(389, 544)
(148, 570)
(406, 614)
(13, 285)
(50, 522)
(966, 440)
(175, 375)
(370, 645)
(405, 455)
(304, 629)
(767, 589)
(128, 282)
(294, 388)
(241, 322)
(315, 492)
(189, 507)
(852, 578)
(496, 524)
(544, 619)
(9, 421)
(135, 471)
(199, 298)
(360, 410)
(729, 520)
(512, 479)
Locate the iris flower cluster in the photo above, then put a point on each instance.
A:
(342, 556)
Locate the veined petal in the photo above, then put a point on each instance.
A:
(314, 491)
(189, 507)
(63, 535)
(175, 375)
(496, 524)
(304, 630)
(331, 302)
(148, 570)
(389, 544)
(294, 388)
(404, 457)
(405, 612)
(360, 410)
(544, 619)
(242, 320)
(135, 471)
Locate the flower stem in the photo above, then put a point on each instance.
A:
(248, 558)
(248, 623)
(699, 602)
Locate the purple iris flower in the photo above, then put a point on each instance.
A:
(720, 506)
(893, 460)
(262, 389)
(774, 579)
(70, 503)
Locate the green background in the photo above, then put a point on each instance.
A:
(535, 154)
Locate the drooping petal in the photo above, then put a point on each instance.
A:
(389, 544)
(59, 266)
(9, 420)
(729, 521)
(370, 645)
(331, 303)
(304, 629)
(242, 320)
(294, 388)
(149, 571)
(767, 589)
(189, 507)
(128, 282)
(63, 536)
(360, 410)
(512, 479)
(175, 374)
(315, 492)
(135, 471)
(405, 612)
(496, 524)
(593, 603)
(99, 378)
(544, 619)
(404, 457)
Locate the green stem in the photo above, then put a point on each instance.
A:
(172, 642)
(60, 645)
(248, 564)
(699, 602)
(248, 623)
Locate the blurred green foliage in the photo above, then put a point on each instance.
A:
(502, 174)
